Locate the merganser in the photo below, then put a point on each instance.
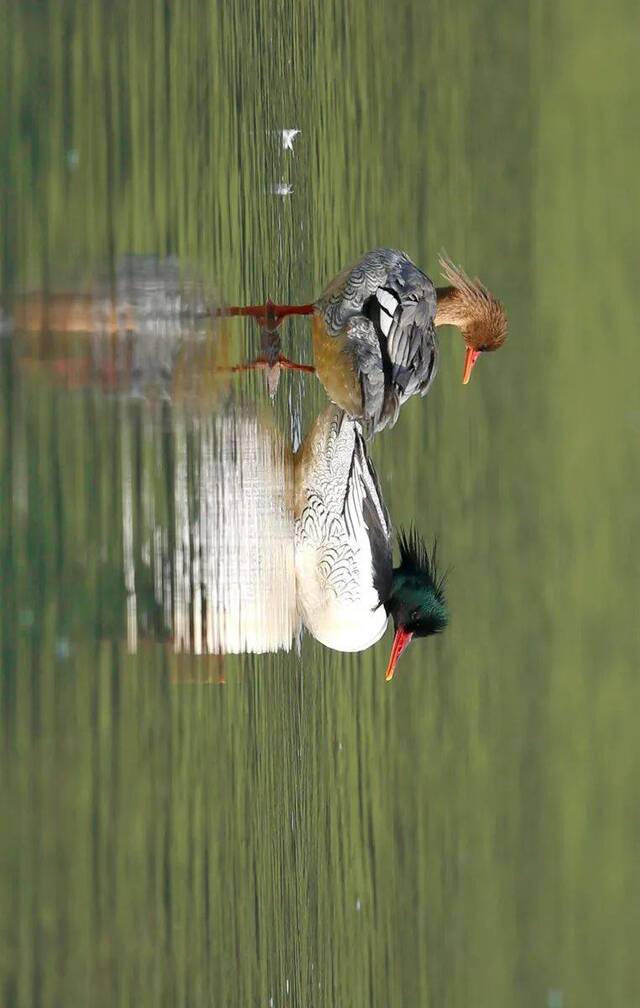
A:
(374, 339)
(347, 586)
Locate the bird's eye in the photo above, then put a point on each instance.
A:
(414, 614)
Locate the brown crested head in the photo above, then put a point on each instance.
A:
(480, 316)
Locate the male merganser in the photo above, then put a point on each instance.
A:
(374, 339)
(347, 585)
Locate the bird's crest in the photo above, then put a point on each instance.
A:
(415, 558)
(485, 327)
(420, 575)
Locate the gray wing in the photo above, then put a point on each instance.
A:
(379, 409)
(387, 292)
(406, 309)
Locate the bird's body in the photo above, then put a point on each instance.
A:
(374, 332)
(342, 536)
(374, 337)
(346, 583)
(335, 367)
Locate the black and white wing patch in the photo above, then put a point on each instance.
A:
(382, 308)
(366, 516)
(405, 309)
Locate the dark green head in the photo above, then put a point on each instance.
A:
(417, 602)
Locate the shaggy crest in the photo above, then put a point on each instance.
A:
(486, 325)
(415, 558)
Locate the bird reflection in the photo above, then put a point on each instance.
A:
(224, 571)
(144, 329)
(271, 360)
(232, 542)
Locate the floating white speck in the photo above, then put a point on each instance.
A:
(287, 137)
(358, 905)
(63, 648)
(281, 188)
(287, 985)
(73, 158)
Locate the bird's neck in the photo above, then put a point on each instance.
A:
(452, 308)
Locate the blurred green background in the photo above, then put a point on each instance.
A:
(304, 834)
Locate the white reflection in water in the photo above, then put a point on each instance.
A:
(223, 569)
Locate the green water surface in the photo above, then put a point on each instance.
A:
(305, 834)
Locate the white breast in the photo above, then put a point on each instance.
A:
(342, 611)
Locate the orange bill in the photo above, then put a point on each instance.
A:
(400, 641)
(471, 357)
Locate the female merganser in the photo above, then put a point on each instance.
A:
(347, 586)
(374, 339)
